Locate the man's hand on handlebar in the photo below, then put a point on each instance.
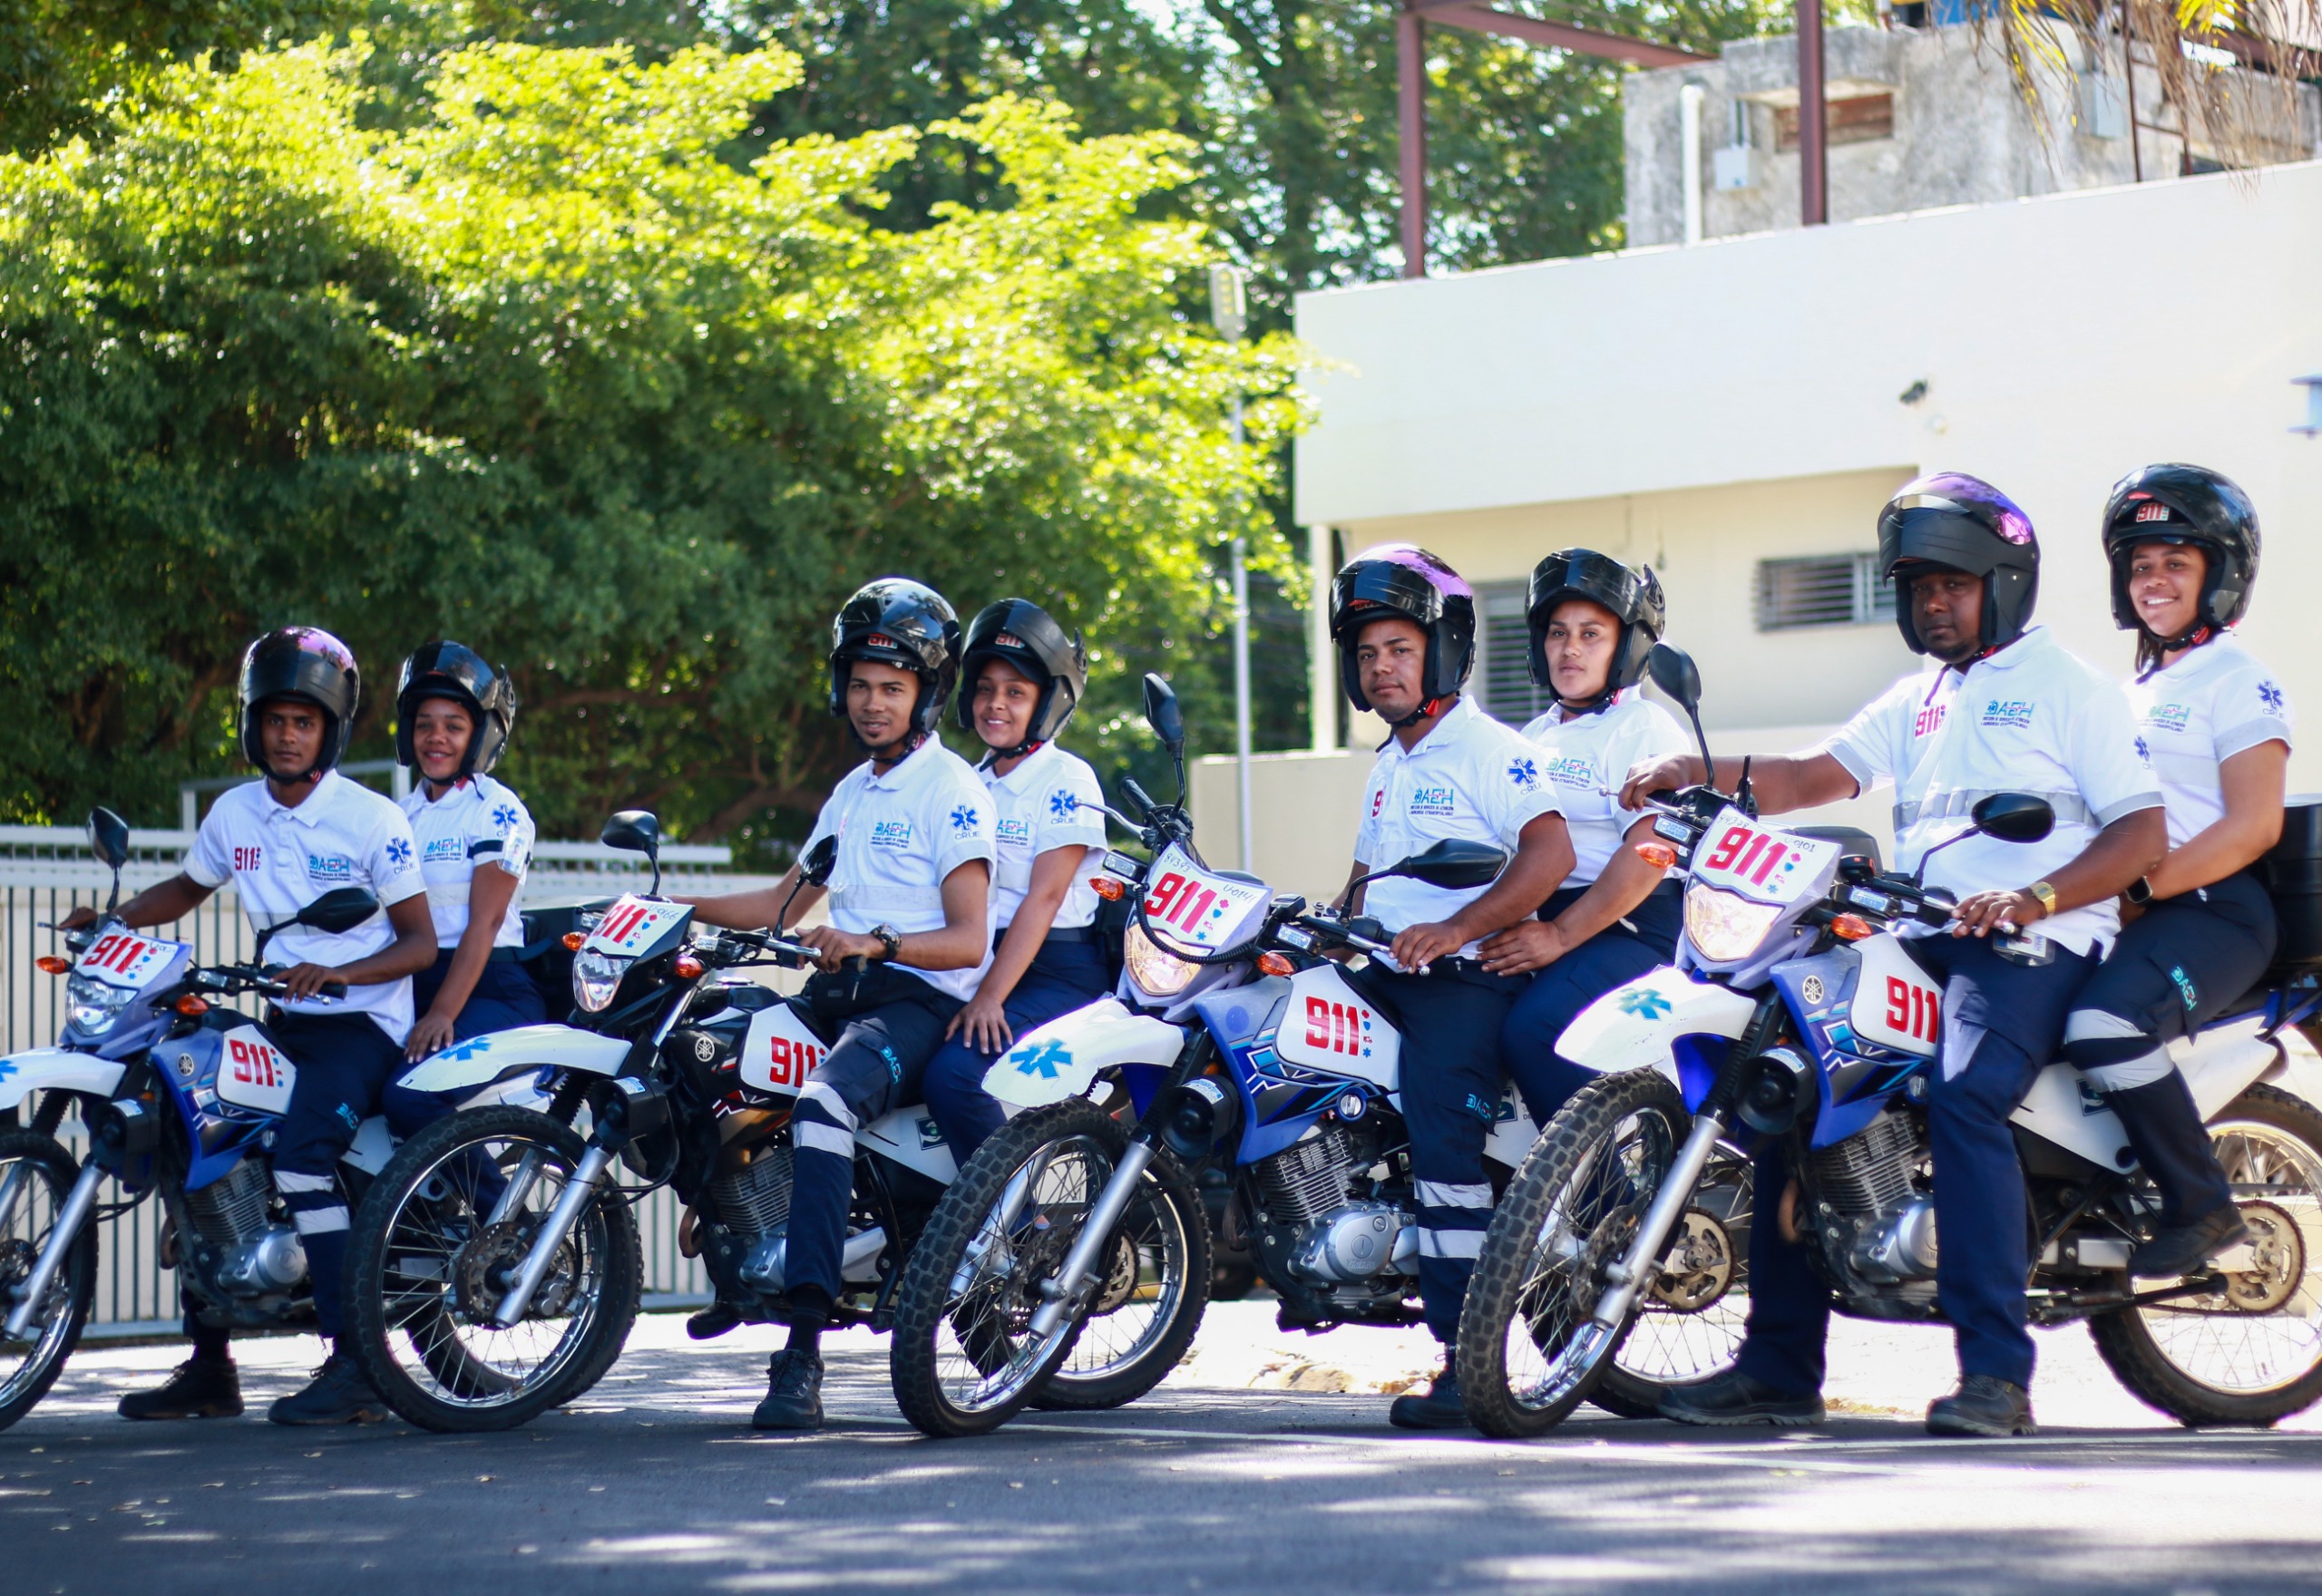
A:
(1660, 776)
(836, 946)
(306, 980)
(1997, 910)
(1424, 944)
(79, 918)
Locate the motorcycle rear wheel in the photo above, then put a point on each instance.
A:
(2212, 1359)
(963, 1362)
(47, 1173)
(1529, 1352)
(425, 1266)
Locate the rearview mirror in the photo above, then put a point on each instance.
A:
(2013, 817)
(339, 910)
(814, 866)
(1453, 864)
(1672, 671)
(109, 838)
(1161, 713)
(633, 831)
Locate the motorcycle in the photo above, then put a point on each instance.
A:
(1234, 1045)
(181, 1096)
(1795, 1011)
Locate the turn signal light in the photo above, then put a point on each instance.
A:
(1851, 928)
(689, 968)
(573, 940)
(54, 964)
(1659, 855)
(1108, 888)
(194, 1005)
(1274, 964)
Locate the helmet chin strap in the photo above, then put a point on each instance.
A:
(904, 746)
(1429, 708)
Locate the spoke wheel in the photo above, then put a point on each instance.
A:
(966, 1358)
(1529, 1352)
(1689, 1322)
(2250, 1352)
(430, 1260)
(36, 1174)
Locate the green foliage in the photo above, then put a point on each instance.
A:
(541, 370)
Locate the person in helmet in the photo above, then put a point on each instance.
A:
(1021, 680)
(1591, 621)
(1404, 624)
(908, 941)
(282, 843)
(453, 713)
(2182, 543)
(2009, 711)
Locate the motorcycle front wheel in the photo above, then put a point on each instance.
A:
(1529, 1350)
(1689, 1322)
(965, 1361)
(432, 1258)
(36, 1174)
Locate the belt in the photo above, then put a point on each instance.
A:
(498, 955)
(1057, 937)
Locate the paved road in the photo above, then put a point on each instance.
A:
(654, 1485)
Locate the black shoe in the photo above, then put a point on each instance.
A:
(2181, 1251)
(713, 1321)
(340, 1394)
(200, 1388)
(1982, 1405)
(1735, 1398)
(1439, 1409)
(794, 1393)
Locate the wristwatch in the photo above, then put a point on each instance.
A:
(890, 939)
(2140, 891)
(2046, 894)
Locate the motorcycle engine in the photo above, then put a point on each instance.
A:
(247, 1256)
(1876, 1214)
(1334, 1238)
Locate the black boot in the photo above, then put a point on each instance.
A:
(200, 1388)
(713, 1321)
(794, 1392)
(1736, 1398)
(2181, 1251)
(1982, 1405)
(2198, 1218)
(340, 1393)
(1439, 1408)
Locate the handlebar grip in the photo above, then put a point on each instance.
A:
(334, 988)
(1139, 797)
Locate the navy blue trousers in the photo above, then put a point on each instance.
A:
(2001, 1023)
(1612, 958)
(505, 998)
(1063, 976)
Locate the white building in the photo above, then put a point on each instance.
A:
(1735, 412)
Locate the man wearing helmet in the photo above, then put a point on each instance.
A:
(1404, 624)
(1022, 679)
(2182, 542)
(909, 938)
(1592, 621)
(282, 844)
(2010, 711)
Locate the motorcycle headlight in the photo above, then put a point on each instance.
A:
(1156, 973)
(596, 977)
(1724, 926)
(93, 1008)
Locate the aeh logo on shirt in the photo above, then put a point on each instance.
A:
(2168, 717)
(443, 848)
(1015, 833)
(1571, 769)
(2008, 712)
(1433, 801)
(338, 867)
(890, 833)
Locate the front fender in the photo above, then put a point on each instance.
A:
(1636, 1026)
(500, 1056)
(1062, 1058)
(56, 1069)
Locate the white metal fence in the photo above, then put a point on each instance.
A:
(45, 872)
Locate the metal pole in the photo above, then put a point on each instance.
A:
(1241, 680)
(1411, 61)
(1813, 154)
(2129, 83)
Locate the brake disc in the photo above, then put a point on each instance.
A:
(1120, 1279)
(1610, 1240)
(1698, 1266)
(486, 1267)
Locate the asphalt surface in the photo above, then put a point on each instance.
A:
(654, 1484)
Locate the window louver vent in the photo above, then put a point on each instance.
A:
(1826, 590)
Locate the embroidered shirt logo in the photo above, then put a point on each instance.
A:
(2008, 712)
(1525, 773)
(1062, 804)
(338, 867)
(964, 818)
(1378, 801)
(2168, 717)
(504, 817)
(2144, 750)
(1015, 833)
(890, 833)
(1571, 769)
(398, 855)
(1433, 801)
(2270, 696)
(1929, 721)
(439, 849)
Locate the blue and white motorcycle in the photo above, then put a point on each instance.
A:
(1794, 1011)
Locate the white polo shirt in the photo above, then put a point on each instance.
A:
(281, 860)
(1469, 778)
(1049, 800)
(478, 822)
(2216, 701)
(1586, 758)
(899, 835)
(2032, 718)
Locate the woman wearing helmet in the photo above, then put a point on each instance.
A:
(1592, 621)
(1405, 626)
(2182, 543)
(910, 892)
(453, 713)
(1022, 679)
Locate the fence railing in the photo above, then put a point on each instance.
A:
(45, 872)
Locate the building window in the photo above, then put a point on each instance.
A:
(1825, 590)
(1503, 678)
(1852, 120)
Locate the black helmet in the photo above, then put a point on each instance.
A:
(1402, 579)
(1963, 523)
(902, 623)
(1027, 637)
(312, 666)
(1633, 596)
(457, 672)
(2184, 504)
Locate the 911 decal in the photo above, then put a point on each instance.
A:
(780, 1052)
(252, 1073)
(1337, 1027)
(1895, 1003)
(119, 959)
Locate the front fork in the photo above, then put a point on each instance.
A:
(60, 1237)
